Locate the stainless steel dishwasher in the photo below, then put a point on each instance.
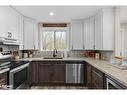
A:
(74, 73)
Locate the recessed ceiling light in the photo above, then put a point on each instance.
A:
(51, 14)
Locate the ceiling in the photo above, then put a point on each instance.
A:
(61, 13)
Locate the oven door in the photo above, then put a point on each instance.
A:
(18, 76)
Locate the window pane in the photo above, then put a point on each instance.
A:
(60, 40)
(48, 40)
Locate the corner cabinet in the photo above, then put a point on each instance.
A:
(77, 35)
(104, 30)
(98, 79)
(95, 79)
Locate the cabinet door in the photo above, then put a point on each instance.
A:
(88, 75)
(28, 34)
(108, 29)
(98, 32)
(33, 73)
(89, 34)
(21, 38)
(77, 35)
(3, 80)
(9, 22)
(36, 28)
(97, 79)
(59, 74)
(4, 21)
(45, 73)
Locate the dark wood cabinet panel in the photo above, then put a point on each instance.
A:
(97, 79)
(3, 80)
(88, 75)
(59, 73)
(51, 72)
(33, 73)
(45, 72)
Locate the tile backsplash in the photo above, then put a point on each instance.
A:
(50, 53)
(105, 55)
(44, 53)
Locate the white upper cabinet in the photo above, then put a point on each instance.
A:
(3, 22)
(36, 30)
(28, 34)
(104, 30)
(89, 33)
(13, 23)
(9, 21)
(21, 38)
(77, 35)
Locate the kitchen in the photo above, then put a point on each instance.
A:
(42, 48)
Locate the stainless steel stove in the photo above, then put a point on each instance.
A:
(5, 63)
(17, 70)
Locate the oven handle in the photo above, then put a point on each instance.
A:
(4, 70)
(19, 68)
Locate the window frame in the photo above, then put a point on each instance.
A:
(42, 29)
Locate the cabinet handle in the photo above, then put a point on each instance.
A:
(34, 46)
(120, 53)
(93, 46)
(72, 47)
(83, 46)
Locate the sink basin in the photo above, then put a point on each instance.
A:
(53, 57)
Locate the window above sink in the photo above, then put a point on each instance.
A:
(54, 38)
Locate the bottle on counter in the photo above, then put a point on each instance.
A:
(97, 55)
(25, 54)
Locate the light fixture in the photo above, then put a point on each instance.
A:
(51, 14)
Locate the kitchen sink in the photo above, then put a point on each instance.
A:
(121, 64)
(53, 57)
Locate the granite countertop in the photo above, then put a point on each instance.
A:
(116, 73)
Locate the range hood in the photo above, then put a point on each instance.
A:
(8, 41)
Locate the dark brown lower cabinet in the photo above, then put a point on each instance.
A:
(47, 72)
(88, 75)
(33, 72)
(97, 79)
(3, 80)
(59, 73)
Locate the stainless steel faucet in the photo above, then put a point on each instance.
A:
(55, 52)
